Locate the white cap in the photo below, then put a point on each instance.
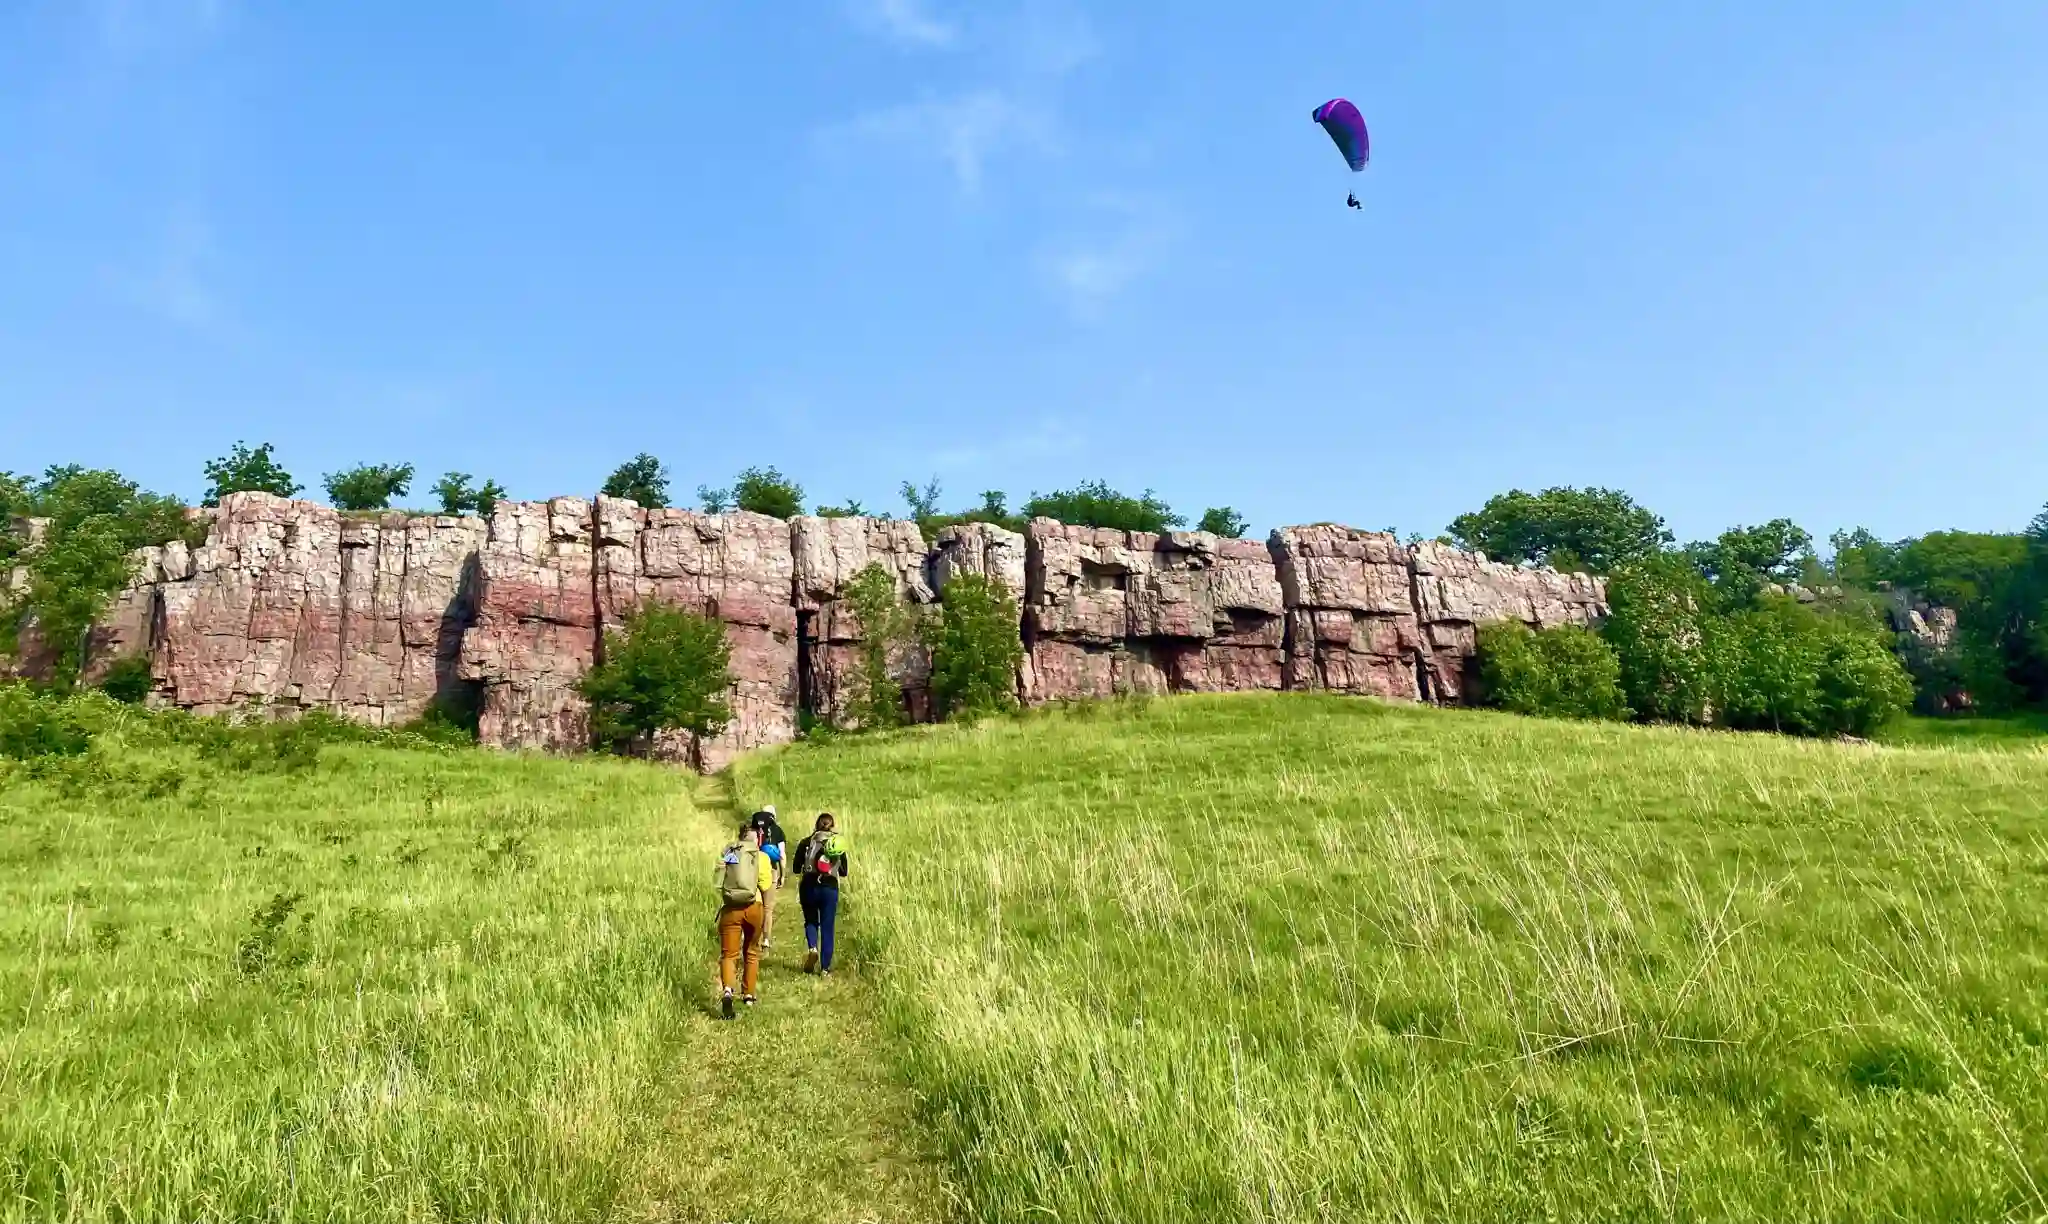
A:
(768, 808)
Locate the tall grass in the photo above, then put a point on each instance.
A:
(353, 984)
(1293, 958)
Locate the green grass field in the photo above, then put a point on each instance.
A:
(400, 985)
(1299, 958)
(1279, 958)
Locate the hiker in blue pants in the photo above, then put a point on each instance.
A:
(821, 864)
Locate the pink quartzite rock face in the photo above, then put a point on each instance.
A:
(1351, 624)
(1456, 592)
(830, 553)
(735, 567)
(299, 607)
(1131, 612)
(536, 624)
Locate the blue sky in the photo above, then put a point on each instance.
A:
(1740, 260)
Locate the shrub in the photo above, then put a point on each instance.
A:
(34, 725)
(1562, 672)
(667, 670)
(128, 680)
(1862, 684)
(759, 491)
(242, 470)
(368, 486)
(641, 479)
(1093, 503)
(852, 509)
(1766, 677)
(1659, 625)
(1223, 521)
(976, 649)
(873, 699)
(1786, 668)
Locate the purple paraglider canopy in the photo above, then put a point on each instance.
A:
(1347, 127)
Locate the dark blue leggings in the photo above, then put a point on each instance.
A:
(821, 906)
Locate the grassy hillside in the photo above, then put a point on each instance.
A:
(381, 984)
(1295, 958)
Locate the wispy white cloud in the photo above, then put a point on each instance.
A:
(171, 282)
(1093, 268)
(963, 131)
(908, 22)
(1049, 437)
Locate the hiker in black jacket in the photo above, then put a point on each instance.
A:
(820, 865)
(763, 823)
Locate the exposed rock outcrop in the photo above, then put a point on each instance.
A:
(534, 632)
(1351, 617)
(1109, 612)
(738, 568)
(830, 553)
(1456, 592)
(297, 606)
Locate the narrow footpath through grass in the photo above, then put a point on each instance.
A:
(788, 1113)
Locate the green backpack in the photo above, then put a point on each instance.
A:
(740, 884)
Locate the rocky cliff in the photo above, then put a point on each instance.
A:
(296, 606)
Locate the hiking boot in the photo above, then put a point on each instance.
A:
(725, 1008)
(811, 961)
(749, 1000)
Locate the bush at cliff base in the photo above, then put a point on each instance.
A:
(1562, 672)
(975, 649)
(1657, 623)
(1783, 667)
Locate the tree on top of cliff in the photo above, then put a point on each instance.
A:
(641, 479)
(667, 670)
(1594, 529)
(1092, 503)
(242, 470)
(458, 498)
(368, 486)
(758, 491)
(1223, 521)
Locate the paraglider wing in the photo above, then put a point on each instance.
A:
(1347, 128)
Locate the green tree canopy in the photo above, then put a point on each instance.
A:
(368, 486)
(1742, 560)
(767, 491)
(457, 497)
(641, 479)
(1595, 529)
(242, 470)
(1223, 521)
(97, 519)
(1093, 503)
(665, 670)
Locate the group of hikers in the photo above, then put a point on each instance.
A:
(749, 873)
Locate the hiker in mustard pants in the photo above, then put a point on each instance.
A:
(742, 876)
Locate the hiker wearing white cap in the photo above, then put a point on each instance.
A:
(776, 847)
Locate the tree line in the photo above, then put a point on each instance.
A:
(1754, 628)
